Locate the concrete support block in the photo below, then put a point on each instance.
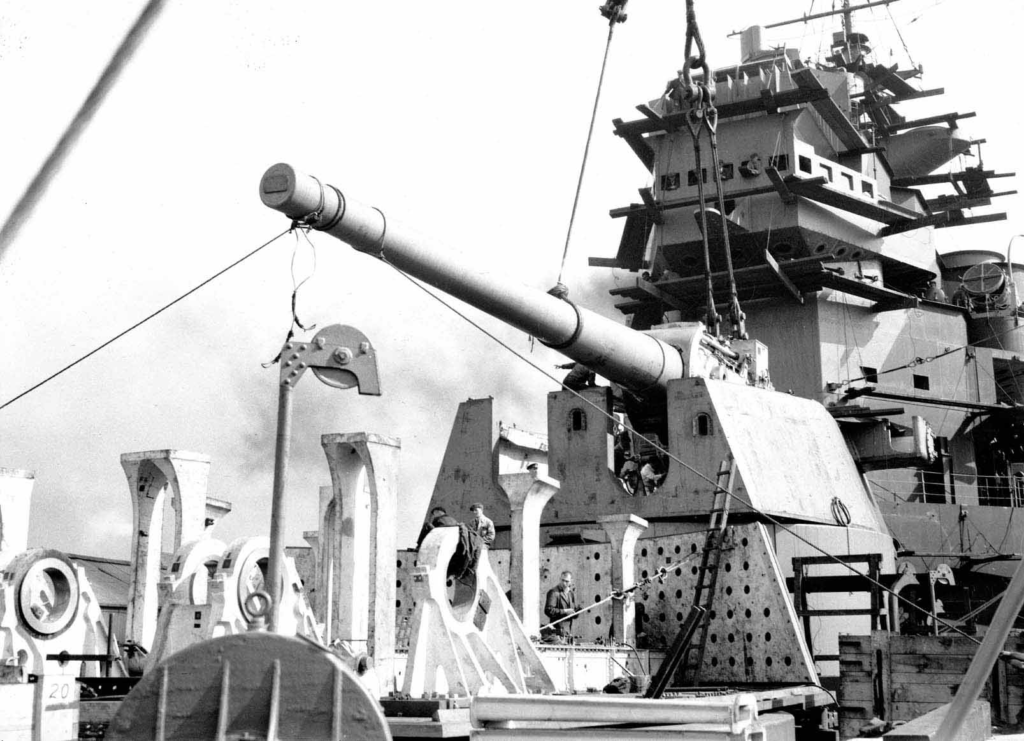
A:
(150, 475)
(15, 504)
(623, 532)
(527, 494)
(359, 533)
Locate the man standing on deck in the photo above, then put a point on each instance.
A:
(561, 602)
(482, 524)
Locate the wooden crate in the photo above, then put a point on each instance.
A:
(900, 677)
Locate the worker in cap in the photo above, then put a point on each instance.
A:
(481, 524)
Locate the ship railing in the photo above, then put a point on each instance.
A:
(931, 487)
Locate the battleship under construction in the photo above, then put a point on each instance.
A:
(805, 438)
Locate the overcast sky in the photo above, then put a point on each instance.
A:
(464, 119)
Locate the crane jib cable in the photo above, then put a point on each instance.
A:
(613, 10)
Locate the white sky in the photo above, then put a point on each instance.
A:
(464, 119)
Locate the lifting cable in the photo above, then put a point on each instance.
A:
(614, 11)
(139, 323)
(699, 99)
(603, 412)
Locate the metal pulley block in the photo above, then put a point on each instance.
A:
(340, 356)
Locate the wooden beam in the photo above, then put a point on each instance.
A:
(656, 293)
(773, 265)
(898, 98)
(909, 182)
(618, 213)
(864, 290)
(653, 209)
(948, 203)
(855, 411)
(828, 110)
(675, 121)
(887, 213)
(949, 119)
(937, 401)
(636, 142)
(964, 221)
(940, 220)
(780, 185)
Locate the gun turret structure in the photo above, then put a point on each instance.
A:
(643, 362)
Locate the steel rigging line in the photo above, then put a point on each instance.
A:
(614, 11)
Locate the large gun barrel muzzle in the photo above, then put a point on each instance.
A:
(625, 356)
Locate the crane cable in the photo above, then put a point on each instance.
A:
(614, 11)
(698, 100)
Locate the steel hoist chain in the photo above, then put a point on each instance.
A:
(736, 316)
(711, 318)
(699, 99)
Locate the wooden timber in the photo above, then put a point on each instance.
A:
(900, 677)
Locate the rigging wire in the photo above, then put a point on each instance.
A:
(655, 444)
(900, 35)
(139, 323)
(922, 360)
(659, 575)
(615, 15)
(303, 229)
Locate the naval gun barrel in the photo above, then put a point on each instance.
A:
(625, 356)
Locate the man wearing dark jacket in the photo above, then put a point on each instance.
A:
(467, 552)
(438, 518)
(561, 602)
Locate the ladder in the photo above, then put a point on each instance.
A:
(687, 651)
